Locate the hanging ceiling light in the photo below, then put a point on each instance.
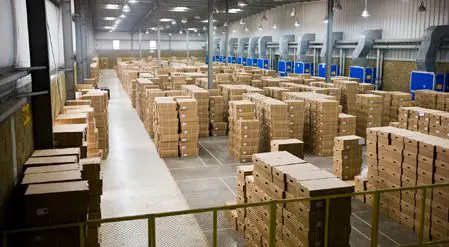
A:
(173, 22)
(264, 17)
(246, 29)
(126, 8)
(365, 12)
(133, 1)
(225, 24)
(215, 27)
(122, 16)
(147, 32)
(199, 34)
(180, 31)
(216, 10)
(274, 26)
(197, 17)
(241, 3)
(422, 8)
(337, 6)
(233, 31)
(169, 34)
(184, 20)
(242, 22)
(296, 23)
(293, 13)
(204, 28)
(326, 20)
(260, 28)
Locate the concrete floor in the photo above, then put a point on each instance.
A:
(137, 181)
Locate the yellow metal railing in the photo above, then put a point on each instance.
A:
(151, 218)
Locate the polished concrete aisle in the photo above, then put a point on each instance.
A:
(136, 181)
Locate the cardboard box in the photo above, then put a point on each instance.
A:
(293, 146)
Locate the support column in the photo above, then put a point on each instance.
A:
(330, 18)
(169, 46)
(41, 104)
(140, 44)
(227, 33)
(132, 44)
(210, 42)
(187, 42)
(158, 47)
(66, 7)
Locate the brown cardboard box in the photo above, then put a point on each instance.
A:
(293, 146)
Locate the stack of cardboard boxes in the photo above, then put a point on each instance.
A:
(432, 100)
(177, 80)
(151, 94)
(243, 130)
(165, 127)
(296, 110)
(100, 101)
(280, 175)
(365, 88)
(321, 121)
(349, 90)
(202, 97)
(188, 126)
(369, 112)
(427, 121)
(404, 158)
(392, 101)
(293, 146)
(53, 179)
(347, 161)
(346, 124)
(141, 100)
(218, 127)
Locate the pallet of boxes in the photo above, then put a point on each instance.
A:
(404, 158)
(188, 127)
(280, 175)
(218, 127)
(60, 187)
(243, 130)
(201, 95)
(369, 112)
(347, 162)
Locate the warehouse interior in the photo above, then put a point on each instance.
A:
(285, 123)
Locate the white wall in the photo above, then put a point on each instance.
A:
(55, 35)
(178, 41)
(398, 19)
(7, 33)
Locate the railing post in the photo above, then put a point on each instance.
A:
(151, 231)
(326, 223)
(422, 217)
(81, 233)
(214, 228)
(375, 220)
(272, 237)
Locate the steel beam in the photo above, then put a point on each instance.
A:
(158, 47)
(210, 43)
(41, 104)
(330, 46)
(226, 32)
(66, 7)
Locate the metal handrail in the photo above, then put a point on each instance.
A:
(272, 228)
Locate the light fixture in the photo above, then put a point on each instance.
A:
(179, 9)
(133, 1)
(110, 31)
(109, 18)
(112, 6)
(215, 27)
(337, 6)
(167, 20)
(122, 16)
(233, 31)
(225, 24)
(326, 20)
(422, 8)
(206, 21)
(260, 28)
(107, 27)
(192, 29)
(296, 23)
(147, 32)
(173, 22)
(293, 13)
(242, 22)
(365, 12)
(169, 34)
(241, 3)
(199, 34)
(216, 10)
(204, 28)
(197, 17)
(246, 29)
(180, 31)
(184, 20)
(234, 11)
(126, 8)
(117, 21)
(214, 32)
(264, 17)
(274, 26)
